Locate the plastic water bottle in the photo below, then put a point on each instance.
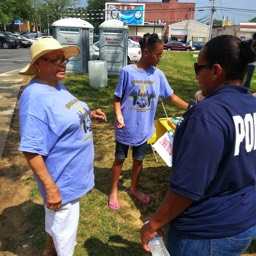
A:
(157, 246)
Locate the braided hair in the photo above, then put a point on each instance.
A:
(149, 41)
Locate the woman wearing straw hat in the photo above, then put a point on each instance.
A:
(56, 139)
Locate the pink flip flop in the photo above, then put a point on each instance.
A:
(143, 198)
(113, 205)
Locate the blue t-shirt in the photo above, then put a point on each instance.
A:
(139, 91)
(214, 164)
(56, 125)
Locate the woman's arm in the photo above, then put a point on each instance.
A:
(53, 197)
(98, 114)
(172, 206)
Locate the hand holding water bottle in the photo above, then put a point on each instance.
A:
(152, 241)
(157, 246)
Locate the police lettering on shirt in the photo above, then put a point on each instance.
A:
(245, 132)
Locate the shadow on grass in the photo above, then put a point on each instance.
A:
(115, 246)
(22, 229)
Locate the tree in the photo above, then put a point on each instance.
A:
(48, 11)
(40, 12)
(4, 18)
(96, 13)
(217, 22)
(253, 20)
(11, 10)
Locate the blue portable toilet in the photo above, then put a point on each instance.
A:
(113, 44)
(75, 31)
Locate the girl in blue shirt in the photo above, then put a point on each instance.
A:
(135, 100)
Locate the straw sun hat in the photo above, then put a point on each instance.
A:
(43, 46)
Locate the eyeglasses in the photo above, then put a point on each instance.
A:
(57, 61)
(157, 54)
(198, 67)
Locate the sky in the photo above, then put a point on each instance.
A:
(235, 10)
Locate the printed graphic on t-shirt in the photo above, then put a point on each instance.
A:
(142, 94)
(84, 117)
(85, 120)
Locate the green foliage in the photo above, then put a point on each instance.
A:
(14, 9)
(43, 12)
(48, 11)
(253, 20)
(96, 7)
(96, 4)
(217, 22)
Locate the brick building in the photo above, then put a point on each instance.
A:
(159, 15)
(168, 12)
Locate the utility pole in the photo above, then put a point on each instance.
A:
(211, 20)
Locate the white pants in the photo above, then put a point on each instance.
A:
(62, 227)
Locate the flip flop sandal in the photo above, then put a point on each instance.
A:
(113, 205)
(142, 198)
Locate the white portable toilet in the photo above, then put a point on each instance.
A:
(75, 31)
(113, 45)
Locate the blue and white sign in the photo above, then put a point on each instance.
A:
(130, 14)
(17, 22)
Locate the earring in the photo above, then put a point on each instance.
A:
(39, 70)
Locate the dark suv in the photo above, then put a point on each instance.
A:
(7, 41)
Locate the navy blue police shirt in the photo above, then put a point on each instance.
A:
(214, 164)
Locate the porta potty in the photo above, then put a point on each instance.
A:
(75, 31)
(113, 45)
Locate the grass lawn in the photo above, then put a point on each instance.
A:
(103, 232)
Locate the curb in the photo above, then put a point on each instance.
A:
(10, 84)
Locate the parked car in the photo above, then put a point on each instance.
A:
(198, 46)
(8, 42)
(32, 40)
(24, 42)
(174, 45)
(135, 38)
(96, 38)
(44, 36)
(32, 35)
(134, 52)
(95, 51)
(10, 35)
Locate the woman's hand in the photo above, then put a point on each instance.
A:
(53, 197)
(37, 164)
(146, 234)
(98, 114)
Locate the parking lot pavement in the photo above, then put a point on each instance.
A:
(10, 84)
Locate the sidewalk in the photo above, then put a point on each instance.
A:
(10, 84)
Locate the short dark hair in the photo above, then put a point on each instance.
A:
(254, 36)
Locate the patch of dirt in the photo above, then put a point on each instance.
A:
(16, 181)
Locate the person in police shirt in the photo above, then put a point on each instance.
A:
(211, 202)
